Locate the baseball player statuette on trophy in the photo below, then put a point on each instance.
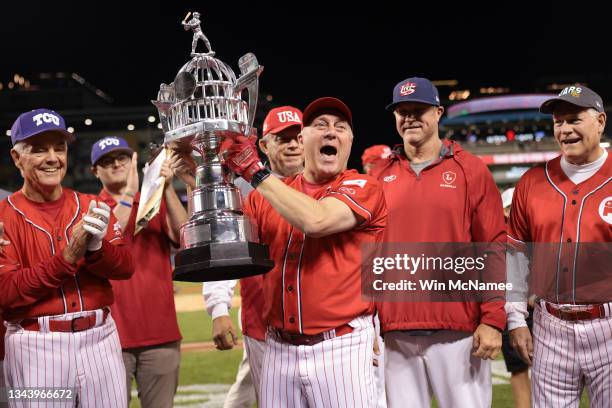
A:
(200, 108)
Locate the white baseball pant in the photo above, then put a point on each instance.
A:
(379, 372)
(3, 402)
(244, 391)
(441, 364)
(336, 372)
(89, 362)
(569, 355)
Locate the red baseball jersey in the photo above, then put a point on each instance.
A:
(252, 297)
(548, 207)
(315, 284)
(35, 280)
(2, 333)
(144, 307)
(452, 200)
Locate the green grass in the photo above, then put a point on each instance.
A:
(197, 326)
(194, 287)
(215, 367)
(220, 367)
(210, 367)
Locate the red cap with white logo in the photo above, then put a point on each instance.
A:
(279, 119)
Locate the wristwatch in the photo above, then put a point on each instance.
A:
(260, 176)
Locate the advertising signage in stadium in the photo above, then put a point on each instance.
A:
(498, 103)
(512, 158)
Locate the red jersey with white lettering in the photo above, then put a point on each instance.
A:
(454, 199)
(144, 308)
(315, 285)
(548, 207)
(35, 280)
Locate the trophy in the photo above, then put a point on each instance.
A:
(197, 111)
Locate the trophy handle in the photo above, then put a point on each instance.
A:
(249, 79)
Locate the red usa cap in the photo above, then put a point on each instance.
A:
(375, 153)
(279, 119)
(326, 104)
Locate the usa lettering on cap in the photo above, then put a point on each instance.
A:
(408, 88)
(288, 116)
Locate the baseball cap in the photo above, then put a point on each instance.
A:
(374, 153)
(37, 121)
(576, 94)
(415, 89)
(279, 119)
(326, 104)
(106, 145)
(507, 197)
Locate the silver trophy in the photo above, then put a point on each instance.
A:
(198, 110)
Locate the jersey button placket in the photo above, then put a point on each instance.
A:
(291, 280)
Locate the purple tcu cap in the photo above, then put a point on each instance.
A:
(106, 145)
(32, 123)
(415, 90)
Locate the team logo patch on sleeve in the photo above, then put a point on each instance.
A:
(605, 210)
(360, 183)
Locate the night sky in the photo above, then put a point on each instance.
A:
(356, 53)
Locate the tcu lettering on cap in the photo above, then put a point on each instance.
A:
(46, 118)
(109, 141)
(288, 116)
(408, 88)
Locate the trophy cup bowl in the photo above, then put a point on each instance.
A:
(201, 108)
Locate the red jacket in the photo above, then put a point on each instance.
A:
(452, 200)
(35, 280)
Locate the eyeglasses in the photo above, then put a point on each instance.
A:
(110, 160)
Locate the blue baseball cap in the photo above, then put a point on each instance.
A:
(106, 145)
(37, 121)
(415, 89)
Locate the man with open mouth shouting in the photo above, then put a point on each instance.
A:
(320, 334)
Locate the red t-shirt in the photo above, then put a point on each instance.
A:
(315, 284)
(144, 305)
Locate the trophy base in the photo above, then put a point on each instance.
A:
(221, 261)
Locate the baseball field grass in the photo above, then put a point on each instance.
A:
(206, 373)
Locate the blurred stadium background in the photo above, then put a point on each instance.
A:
(500, 124)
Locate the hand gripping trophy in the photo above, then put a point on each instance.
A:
(198, 110)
